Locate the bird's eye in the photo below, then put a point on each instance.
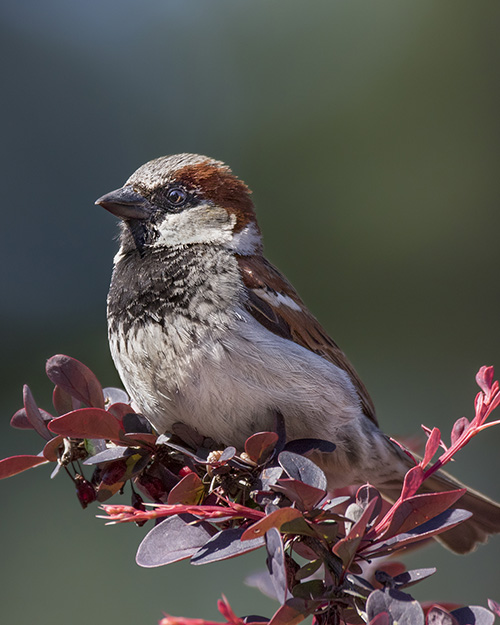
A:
(176, 196)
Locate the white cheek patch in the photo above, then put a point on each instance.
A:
(202, 224)
(247, 242)
(278, 299)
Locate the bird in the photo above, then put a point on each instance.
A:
(205, 331)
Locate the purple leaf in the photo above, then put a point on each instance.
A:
(17, 464)
(224, 545)
(313, 589)
(20, 421)
(76, 379)
(403, 609)
(33, 414)
(113, 453)
(444, 521)
(335, 502)
(187, 434)
(164, 440)
(276, 563)
(473, 615)
(408, 578)
(174, 539)
(305, 445)
(227, 454)
(270, 476)
(308, 569)
(261, 580)
(366, 494)
(279, 428)
(114, 395)
(302, 469)
(136, 423)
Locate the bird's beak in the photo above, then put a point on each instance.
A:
(126, 204)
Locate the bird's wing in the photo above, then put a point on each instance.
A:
(274, 303)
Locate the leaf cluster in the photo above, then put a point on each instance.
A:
(327, 556)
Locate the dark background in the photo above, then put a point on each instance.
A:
(369, 133)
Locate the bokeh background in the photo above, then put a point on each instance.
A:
(369, 133)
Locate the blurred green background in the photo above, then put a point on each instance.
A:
(369, 133)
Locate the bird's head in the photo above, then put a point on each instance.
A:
(182, 200)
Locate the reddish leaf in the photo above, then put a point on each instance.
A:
(382, 618)
(304, 495)
(88, 423)
(346, 548)
(494, 606)
(294, 611)
(227, 612)
(51, 447)
(458, 429)
(17, 464)
(431, 447)
(63, 401)
(113, 477)
(106, 491)
(139, 439)
(275, 519)
(484, 379)
(439, 616)
(76, 379)
(412, 482)
(259, 445)
(188, 491)
(119, 410)
(419, 509)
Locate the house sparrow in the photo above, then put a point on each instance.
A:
(204, 330)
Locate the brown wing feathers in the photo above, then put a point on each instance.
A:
(296, 324)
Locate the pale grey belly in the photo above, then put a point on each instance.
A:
(230, 388)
